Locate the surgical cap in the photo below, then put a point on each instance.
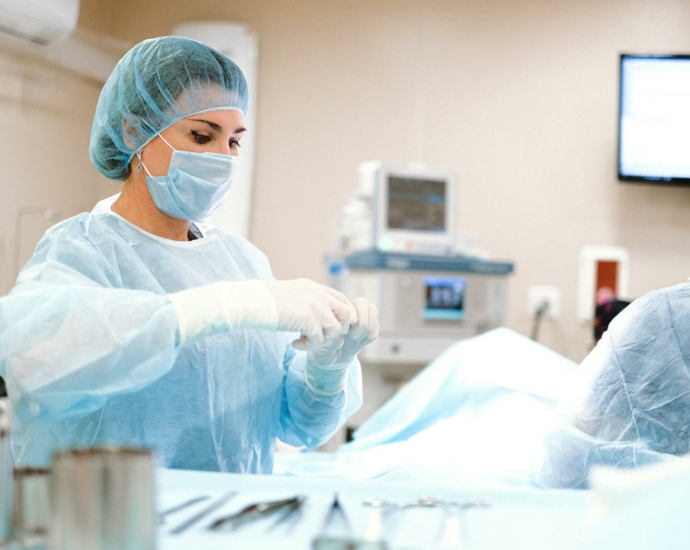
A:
(158, 82)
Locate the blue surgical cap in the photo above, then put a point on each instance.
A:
(158, 82)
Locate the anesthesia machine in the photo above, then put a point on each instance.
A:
(397, 248)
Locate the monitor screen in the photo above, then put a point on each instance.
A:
(654, 121)
(445, 298)
(416, 204)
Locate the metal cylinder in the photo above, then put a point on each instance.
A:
(103, 499)
(6, 468)
(31, 506)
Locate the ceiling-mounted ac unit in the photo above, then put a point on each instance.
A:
(40, 21)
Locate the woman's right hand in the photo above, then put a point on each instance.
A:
(312, 309)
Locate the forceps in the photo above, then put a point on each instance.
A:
(178, 507)
(256, 510)
(210, 508)
(290, 509)
(326, 542)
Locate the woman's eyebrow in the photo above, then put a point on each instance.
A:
(213, 125)
(218, 127)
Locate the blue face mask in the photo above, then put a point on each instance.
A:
(195, 186)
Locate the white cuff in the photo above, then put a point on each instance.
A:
(326, 381)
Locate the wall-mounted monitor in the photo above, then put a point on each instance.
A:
(654, 119)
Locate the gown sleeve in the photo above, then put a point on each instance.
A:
(71, 336)
(306, 417)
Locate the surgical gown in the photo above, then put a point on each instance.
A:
(629, 404)
(89, 346)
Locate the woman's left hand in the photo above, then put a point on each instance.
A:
(363, 332)
(341, 350)
(329, 362)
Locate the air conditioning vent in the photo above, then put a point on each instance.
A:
(39, 21)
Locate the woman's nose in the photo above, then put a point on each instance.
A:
(225, 149)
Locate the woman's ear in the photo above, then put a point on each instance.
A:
(130, 136)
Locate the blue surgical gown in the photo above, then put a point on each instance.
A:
(89, 346)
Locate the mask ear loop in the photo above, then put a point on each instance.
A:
(166, 142)
(141, 166)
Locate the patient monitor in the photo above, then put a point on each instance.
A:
(403, 208)
(396, 249)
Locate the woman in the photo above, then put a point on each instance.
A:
(137, 325)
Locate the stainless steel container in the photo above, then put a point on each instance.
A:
(6, 467)
(103, 499)
(31, 506)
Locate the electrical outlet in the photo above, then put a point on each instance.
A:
(538, 294)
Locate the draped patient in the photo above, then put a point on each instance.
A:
(630, 405)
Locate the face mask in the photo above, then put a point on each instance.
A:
(195, 186)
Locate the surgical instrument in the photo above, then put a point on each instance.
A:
(451, 538)
(255, 511)
(422, 502)
(203, 513)
(290, 511)
(381, 507)
(328, 542)
(181, 506)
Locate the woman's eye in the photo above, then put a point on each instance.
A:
(200, 138)
(234, 143)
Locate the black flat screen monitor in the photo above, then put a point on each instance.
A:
(654, 119)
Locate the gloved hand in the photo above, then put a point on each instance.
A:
(314, 310)
(328, 363)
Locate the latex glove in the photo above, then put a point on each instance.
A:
(314, 310)
(328, 363)
(362, 332)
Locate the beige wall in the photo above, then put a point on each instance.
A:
(518, 97)
(45, 116)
